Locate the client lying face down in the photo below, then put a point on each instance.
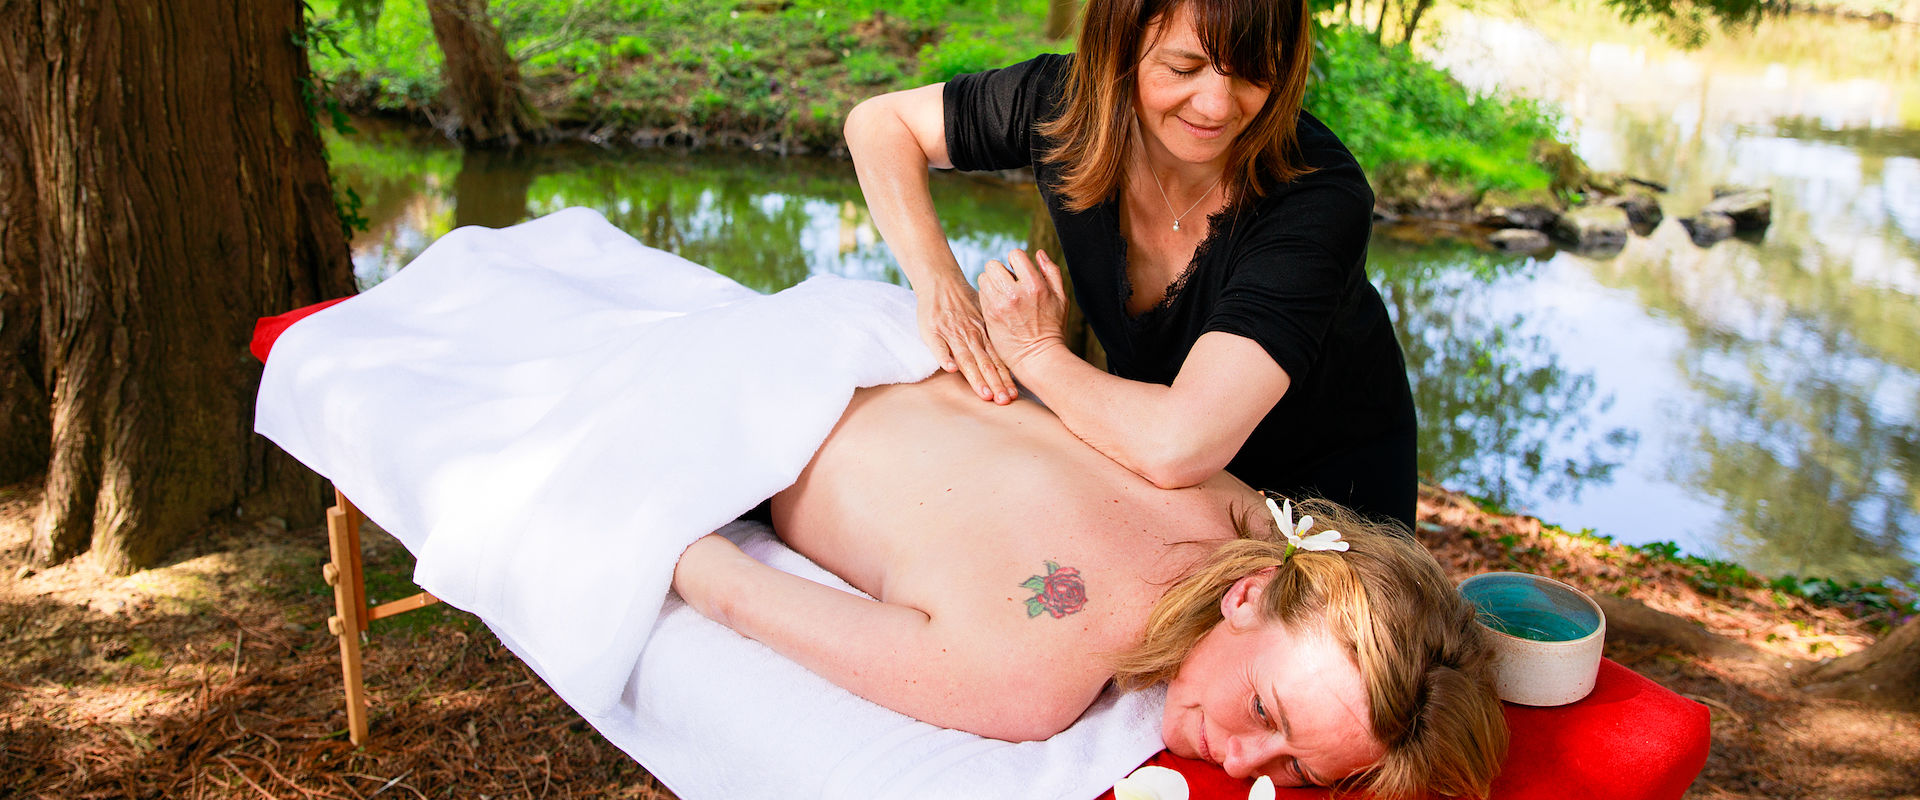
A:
(1016, 571)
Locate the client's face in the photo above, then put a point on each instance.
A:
(1266, 700)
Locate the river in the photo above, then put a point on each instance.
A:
(1757, 400)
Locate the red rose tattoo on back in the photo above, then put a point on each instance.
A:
(1059, 592)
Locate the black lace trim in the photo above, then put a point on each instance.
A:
(1216, 228)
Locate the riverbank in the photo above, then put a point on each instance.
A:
(214, 677)
(781, 76)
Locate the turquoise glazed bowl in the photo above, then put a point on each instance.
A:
(1547, 636)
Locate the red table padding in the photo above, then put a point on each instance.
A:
(1632, 739)
(268, 329)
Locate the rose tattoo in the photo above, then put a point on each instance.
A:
(1059, 592)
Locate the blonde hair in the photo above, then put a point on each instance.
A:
(1427, 665)
(1263, 41)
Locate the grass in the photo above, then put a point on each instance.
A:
(792, 70)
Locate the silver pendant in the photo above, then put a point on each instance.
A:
(1176, 224)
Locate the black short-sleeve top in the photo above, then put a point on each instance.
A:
(1287, 270)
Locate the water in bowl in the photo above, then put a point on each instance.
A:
(1535, 624)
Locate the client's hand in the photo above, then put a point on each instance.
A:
(696, 577)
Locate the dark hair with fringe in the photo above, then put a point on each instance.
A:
(1266, 42)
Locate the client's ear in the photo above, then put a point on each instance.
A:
(1240, 607)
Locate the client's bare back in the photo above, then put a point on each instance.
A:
(985, 518)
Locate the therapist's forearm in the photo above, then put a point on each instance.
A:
(1137, 424)
(892, 169)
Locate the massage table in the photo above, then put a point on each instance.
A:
(1630, 739)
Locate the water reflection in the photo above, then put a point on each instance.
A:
(764, 221)
(1795, 354)
(1497, 406)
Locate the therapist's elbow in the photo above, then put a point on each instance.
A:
(871, 120)
(1174, 466)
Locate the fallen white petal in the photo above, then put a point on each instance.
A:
(1262, 789)
(1151, 783)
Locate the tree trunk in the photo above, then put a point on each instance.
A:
(182, 194)
(1413, 19)
(489, 105)
(1060, 14)
(24, 428)
(1380, 25)
(1885, 674)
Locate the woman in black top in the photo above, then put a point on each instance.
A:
(1217, 237)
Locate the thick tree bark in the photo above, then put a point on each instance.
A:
(489, 104)
(24, 428)
(181, 194)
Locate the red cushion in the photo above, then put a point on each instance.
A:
(268, 329)
(1632, 739)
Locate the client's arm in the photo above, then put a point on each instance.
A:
(928, 668)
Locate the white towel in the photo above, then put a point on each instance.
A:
(546, 415)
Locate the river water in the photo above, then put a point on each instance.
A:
(1758, 400)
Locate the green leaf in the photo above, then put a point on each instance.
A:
(1035, 583)
(1034, 608)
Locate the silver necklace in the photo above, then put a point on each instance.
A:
(1163, 190)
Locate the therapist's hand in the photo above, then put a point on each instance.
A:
(950, 324)
(1025, 305)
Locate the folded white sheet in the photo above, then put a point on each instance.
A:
(547, 414)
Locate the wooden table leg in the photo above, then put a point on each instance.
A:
(349, 585)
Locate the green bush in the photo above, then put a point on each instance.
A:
(942, 60)
(1393, 110)
(765, 66)
(868, 68)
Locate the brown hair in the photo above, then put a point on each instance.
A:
(1427, 665)
(1263, 41)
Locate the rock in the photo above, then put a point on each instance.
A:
(1654, 185)
(1750, 210)
(1594, 227)
(1708, 227)
(1643, 211)
(276, 523)
(1518, 240)
(1443, 203)
(23, 573)
(1530, 216)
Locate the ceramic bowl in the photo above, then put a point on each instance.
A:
(1547, 636)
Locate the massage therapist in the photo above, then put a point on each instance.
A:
(1217, 238)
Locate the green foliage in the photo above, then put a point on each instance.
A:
(767, 67)
(1394, 110)
(869, 68)
(1688, 22)
(323, 36)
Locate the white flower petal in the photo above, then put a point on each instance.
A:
(1306, 524)
(1262, 789)
(1324, 540)
(1151, 783)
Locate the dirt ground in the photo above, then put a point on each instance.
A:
(213, 676)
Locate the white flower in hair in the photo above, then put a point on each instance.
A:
(1296, 533)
